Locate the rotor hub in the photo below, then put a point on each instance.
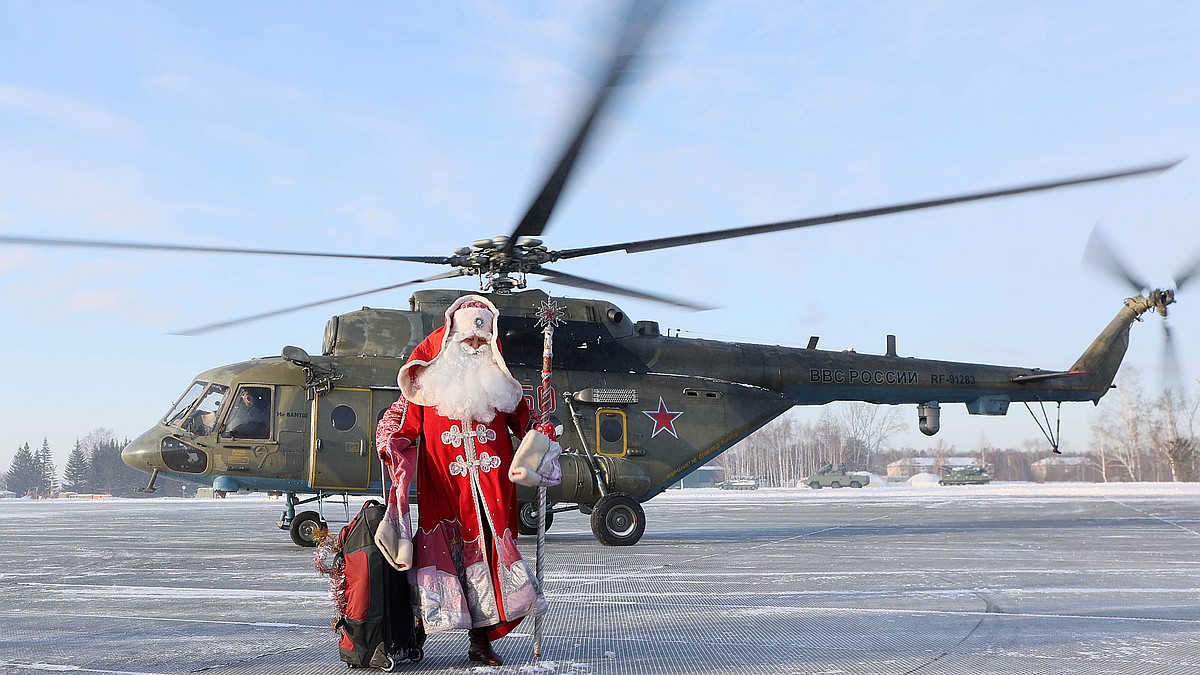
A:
(1161, 297)
(495, 261)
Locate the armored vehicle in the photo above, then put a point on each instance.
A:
(966, 475)
(740, 484)
(828, 476)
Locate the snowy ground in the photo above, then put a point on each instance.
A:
(1003, 578)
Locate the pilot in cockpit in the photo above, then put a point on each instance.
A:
(251, 414)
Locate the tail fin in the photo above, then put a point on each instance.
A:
(1103, 357)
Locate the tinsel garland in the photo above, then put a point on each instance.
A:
(328, 561)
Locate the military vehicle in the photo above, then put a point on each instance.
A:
(638, 409)
(966, 475)
(836, 477)
(740, 484)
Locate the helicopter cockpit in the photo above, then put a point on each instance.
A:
(214, 427)
(196, 411)
(199, 409)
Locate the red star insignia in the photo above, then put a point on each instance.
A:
(664, 420)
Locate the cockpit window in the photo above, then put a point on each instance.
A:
(202, 421)
(250, 414)
(177, 412)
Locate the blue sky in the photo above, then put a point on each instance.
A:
(416, 128)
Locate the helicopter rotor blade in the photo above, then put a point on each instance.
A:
(1099, 254)
(149, 246)
(626, 49)
(592, 285)
(1170, 365)
(1184, 276)
(717, 235)
(200, 330)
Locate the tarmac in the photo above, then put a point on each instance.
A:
(1017, 578)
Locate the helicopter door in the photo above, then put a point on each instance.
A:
(342, 452)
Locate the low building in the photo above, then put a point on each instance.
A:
(903, 469)
(705, 476)
(1058, 468)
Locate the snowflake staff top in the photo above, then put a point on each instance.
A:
(550, 315)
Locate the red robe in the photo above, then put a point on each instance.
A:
(467, 572)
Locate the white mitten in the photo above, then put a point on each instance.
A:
(550, 469)
(396, 547)
(536, 462)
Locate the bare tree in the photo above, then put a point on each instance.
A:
(869, 426)
(1174, 433)
(787, 450)
(1123, 430)
(1147, 438)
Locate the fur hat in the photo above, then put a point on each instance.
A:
(472, 318)
(470, 315)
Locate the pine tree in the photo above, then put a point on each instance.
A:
(76, 473)
(48, 480)
(106, 471)
(24, 475)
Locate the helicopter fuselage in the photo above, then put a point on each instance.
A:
(637, 410)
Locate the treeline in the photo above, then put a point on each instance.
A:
(93, 467)
(1148, 437)
(787, 449)
(1136, 437)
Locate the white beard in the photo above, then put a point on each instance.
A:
(466, 384)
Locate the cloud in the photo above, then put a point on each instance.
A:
(95, 300)
(80, 117)
(175, 83)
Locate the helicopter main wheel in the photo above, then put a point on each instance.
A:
(618, 520)
(305, 527)
(527, 518)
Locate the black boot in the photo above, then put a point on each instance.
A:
(481, 648)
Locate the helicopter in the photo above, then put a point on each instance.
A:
(638, 409)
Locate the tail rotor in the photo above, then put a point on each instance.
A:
(1100, 254)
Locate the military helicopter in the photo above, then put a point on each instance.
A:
(638, 410)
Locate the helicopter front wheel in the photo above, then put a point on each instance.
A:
(305, 528)
(618, 520)
(527, 518)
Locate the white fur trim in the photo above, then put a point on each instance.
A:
(472, 322)
(396, 549)
(404, 379)
(534, 462)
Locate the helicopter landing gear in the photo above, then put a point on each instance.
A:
(149, 486)
(618, 520)
(306, 527)
(527, 518)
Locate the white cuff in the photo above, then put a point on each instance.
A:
(536, 462)
(396, 548)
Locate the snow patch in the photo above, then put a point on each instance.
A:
(876, 481)
(537, 668)
(61, 667)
